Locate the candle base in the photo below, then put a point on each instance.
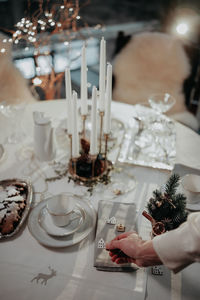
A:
(89, 172)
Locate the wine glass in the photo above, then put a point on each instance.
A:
(161, 102)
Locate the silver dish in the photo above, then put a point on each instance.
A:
(150, 140)
(65, 241)
(9, 182)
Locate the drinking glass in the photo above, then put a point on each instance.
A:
(161, 102)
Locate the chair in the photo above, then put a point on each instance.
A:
(13, 87)
(153, 62)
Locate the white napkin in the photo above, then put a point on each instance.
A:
(117, 213)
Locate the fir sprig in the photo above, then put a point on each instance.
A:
(168, 207)
(172, 184)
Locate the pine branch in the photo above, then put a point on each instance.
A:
(180, 201)
(157, 194)
(172, 184)
(168, 207)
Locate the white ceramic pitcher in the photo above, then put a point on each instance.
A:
(43, 137)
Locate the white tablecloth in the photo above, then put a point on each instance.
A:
(22, 257)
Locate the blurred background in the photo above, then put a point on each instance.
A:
(46, 36)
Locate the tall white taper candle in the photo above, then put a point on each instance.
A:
(68, 90)
(84, 106)
(75, 135)
(93, 137)
(107, 119)
(102, 74)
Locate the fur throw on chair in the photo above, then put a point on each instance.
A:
(13, 87)
(150, 63)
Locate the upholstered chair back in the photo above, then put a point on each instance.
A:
(13, 86)
(151, 62)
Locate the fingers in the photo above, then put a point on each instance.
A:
(123, 260)
(115, 257)
(114, 244)
(124, 235)
(117, 252)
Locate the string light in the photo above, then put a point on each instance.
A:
(182, 28)
(37, 81)
(36, 29)
(48, 19)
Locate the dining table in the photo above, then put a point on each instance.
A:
(30, 268)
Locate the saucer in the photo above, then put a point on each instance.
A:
(46, 222)
(62, 241)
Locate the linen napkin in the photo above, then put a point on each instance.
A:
(110, 214)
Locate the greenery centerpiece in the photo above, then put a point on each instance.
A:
(167, 206)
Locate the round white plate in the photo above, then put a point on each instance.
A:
(46, 222)
(51, 241)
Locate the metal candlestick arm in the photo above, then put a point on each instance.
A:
(70, 140)
(74, 160)
(84, 117)
(93, 158)
(101, 113)
(106, 145)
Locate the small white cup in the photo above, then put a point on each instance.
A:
(191, 187)
(60, 208)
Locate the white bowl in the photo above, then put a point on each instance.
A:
(191, 187)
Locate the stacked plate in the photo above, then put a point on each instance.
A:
(42, 227)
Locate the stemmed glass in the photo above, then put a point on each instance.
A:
(13, 114)
(161, 103)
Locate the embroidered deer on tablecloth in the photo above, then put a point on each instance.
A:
(44, 277)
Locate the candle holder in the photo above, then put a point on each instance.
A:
(89, 169)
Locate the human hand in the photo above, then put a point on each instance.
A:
(128, 247)
(123, 248)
